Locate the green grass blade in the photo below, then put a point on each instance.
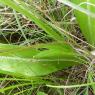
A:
(77, 7)
(85, 14)
(20, 7)
(19, 26)
(14, 86)
(86, 22)
(73, 86)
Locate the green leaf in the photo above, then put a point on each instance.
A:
(37, 60)
(86, 22)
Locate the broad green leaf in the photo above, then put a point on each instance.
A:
(37, 60)
(21, 7)
(86, 22)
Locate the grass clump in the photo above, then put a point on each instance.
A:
(46, 48)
